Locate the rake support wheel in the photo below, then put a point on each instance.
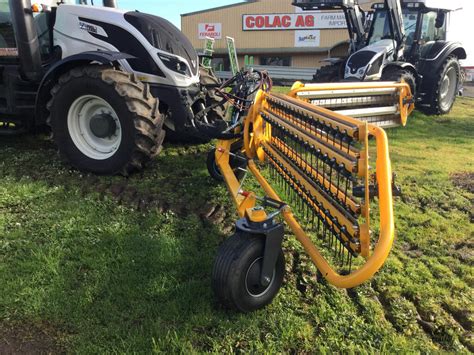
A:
(237, 270)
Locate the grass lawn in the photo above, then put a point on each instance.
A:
(107, 264)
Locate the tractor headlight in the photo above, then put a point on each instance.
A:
(174, 64)
(375, 66)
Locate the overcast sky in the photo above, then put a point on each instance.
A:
(172, 9)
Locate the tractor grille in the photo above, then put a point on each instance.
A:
(360, 60)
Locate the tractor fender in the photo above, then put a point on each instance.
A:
(434, 57)
(43, 94)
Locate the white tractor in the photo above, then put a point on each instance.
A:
(107, 81)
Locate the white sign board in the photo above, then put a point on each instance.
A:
(210, 30)
(307, 38)
(294, 21)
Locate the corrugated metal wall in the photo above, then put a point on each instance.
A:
(231, 19)
(277, 41)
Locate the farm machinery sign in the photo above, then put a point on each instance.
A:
(210, 30)
(298, 21)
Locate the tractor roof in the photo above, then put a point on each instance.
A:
(451, 5)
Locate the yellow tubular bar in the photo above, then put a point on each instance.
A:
(405, 100)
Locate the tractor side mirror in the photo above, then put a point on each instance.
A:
(440, 19)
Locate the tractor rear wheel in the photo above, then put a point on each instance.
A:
(443, 94)
(105, 120)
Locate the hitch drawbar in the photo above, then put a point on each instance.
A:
(313, 165)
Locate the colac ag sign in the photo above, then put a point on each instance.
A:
(298, 21)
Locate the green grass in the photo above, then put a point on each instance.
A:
(107, 264)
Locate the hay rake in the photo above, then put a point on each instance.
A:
(312, 164)
(385, 105)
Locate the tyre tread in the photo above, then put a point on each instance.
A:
(142, 106)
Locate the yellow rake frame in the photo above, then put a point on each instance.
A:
(272, 112)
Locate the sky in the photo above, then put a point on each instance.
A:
(172, 9)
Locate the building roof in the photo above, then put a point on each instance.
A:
(219, 8)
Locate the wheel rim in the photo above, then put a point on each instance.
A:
(448, 89)
(82, 115)
(252, 279)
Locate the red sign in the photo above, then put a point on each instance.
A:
(210, 30)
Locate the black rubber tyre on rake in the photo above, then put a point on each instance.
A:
(236, 274)
(125, 128)
(237, 165)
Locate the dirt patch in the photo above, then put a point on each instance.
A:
(411, 250)
(29, 339)
(464, 251)
(464, 317)
(464, 180)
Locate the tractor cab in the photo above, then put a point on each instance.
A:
(424, 23)
(43, 14)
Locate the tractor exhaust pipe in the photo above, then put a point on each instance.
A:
(26, 39)
(110, 3)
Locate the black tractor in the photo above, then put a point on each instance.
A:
(398, 40)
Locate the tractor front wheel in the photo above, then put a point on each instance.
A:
(400, 74)
(105, 121)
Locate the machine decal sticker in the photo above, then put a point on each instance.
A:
(92, 29)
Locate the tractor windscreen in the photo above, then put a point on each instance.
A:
(163, 35)
(381, 26)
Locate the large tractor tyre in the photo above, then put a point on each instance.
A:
(211, 82)
(400, 74)
(443, 94)
(237, 270)
(105, 120)
(328, 74)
